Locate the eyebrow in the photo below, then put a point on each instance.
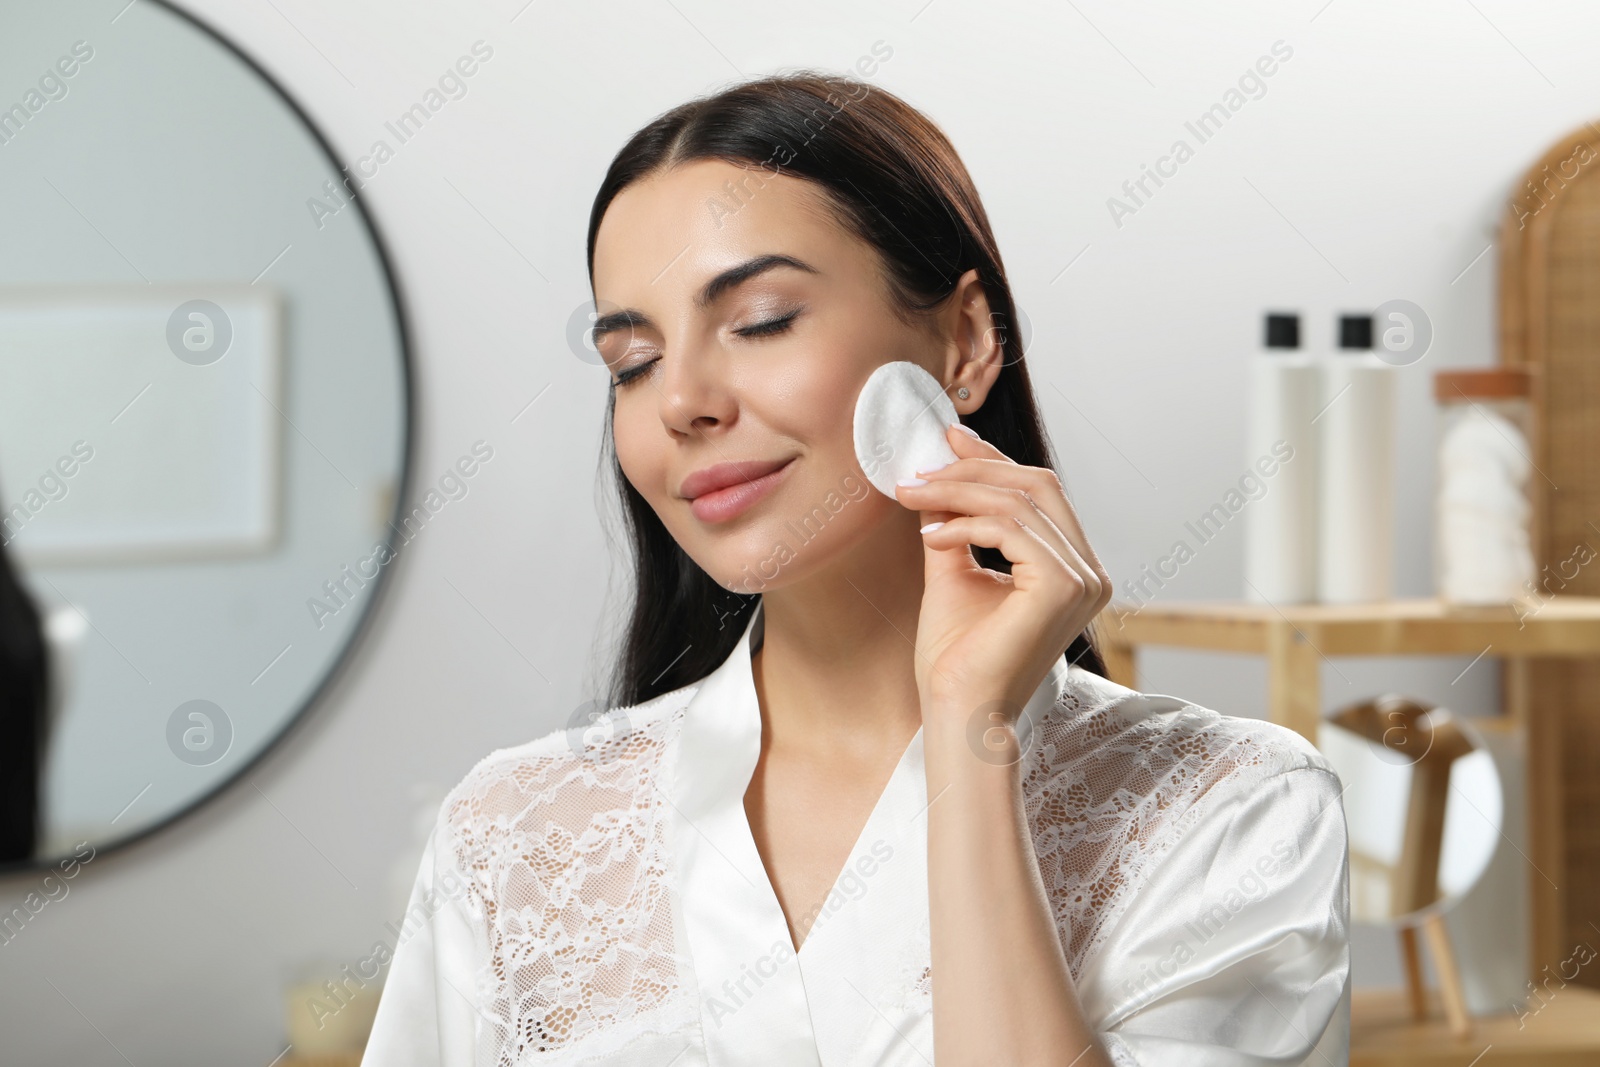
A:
(633, 319)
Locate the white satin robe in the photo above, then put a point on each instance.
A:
(598, 898)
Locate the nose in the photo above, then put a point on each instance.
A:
(695, 394)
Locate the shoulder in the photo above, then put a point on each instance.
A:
(1114, 777)
(559, 844)
(1116, 740)
(563, 780)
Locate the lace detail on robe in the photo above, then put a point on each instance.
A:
(914, 984)
(562, 846)
(1108, 792)
(1111, 779)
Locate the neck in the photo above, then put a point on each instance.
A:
(837, 660)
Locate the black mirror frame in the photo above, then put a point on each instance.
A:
(408, 427)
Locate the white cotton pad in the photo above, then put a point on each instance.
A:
(900, 421)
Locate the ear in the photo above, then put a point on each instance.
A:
(973, 354)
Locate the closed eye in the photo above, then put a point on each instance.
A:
(632, 373)
(769, 327)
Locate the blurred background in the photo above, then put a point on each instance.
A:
(293, 594)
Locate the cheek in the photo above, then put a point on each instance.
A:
(821, 385)
(813, 402)
(640, 455)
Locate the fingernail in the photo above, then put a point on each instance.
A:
(969, 431)
(930, 470)
(912, 482)
(932, 526)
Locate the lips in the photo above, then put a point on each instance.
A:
(717, 494)
(723, 475)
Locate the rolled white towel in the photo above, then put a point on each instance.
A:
(1482, 511)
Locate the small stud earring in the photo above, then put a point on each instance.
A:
(963, 393)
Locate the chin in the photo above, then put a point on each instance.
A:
(783, 553)
(755, 561)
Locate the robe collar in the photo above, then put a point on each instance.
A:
(802, 1008)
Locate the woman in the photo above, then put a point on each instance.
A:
(866, 797)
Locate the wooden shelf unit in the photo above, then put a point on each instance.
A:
(1296, 639)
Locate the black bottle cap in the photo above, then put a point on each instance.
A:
(1355, 331)
(1283, 330)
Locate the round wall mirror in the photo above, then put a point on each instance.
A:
(204, 420)
(1423, 806)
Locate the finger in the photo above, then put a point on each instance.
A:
(1038, 484)
(976, 498)
(978, 460)
(1034, 564)
(966, 444)
(1041, 487)
(967, 497)
(1042, 483)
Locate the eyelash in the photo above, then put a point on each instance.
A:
(769, 328)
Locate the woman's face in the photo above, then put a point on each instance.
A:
(743, 330)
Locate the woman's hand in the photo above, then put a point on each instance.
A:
(982, 635)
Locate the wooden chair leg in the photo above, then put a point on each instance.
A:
(1444, 962)
(1412, 959)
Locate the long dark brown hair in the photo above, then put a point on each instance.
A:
(24, 676)
(894, 180)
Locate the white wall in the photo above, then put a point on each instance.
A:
(1376, 166)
